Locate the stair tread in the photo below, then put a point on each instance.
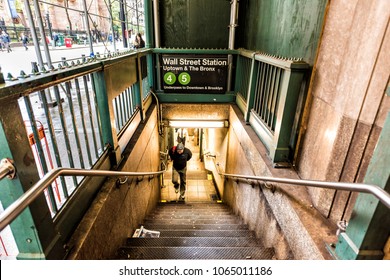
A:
(157, 225)
(206, 233)
(194, 242)
(195, 221)
(192, 205)
(194, 213)
(148, 253)
(190, 216)
(192, 210)
(200, 230)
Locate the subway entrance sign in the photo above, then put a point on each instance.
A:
(194, 73)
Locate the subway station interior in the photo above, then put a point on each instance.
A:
(284, 105)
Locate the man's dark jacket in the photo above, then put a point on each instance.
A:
(180, 160)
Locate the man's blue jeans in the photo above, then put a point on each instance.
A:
(182, 174)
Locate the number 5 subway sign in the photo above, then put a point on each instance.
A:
(194, 73)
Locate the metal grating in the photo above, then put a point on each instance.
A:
(192, 253)
(191, 216)
(196, 231)
(206, 233)
(197, 221)
(194, 242)
(159, 226)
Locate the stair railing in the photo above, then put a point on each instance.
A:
(13, 211)
(378, 192)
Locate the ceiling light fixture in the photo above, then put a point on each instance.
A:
(198, 123)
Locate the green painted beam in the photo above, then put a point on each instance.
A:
(196, 98)
(368, 228)
(194, 51)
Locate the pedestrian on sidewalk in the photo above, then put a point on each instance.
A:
(180, 155)
(55, 39)
(24, 40)
(2, 46)
(6, 41)
(139, 42)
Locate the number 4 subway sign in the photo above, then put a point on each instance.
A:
(194, 73)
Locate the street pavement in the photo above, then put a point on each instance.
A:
(21, 59)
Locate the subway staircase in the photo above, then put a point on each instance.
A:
(198, 230)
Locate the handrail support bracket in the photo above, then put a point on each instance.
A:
(7, 168)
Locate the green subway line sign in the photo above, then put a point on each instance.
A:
(194, 73)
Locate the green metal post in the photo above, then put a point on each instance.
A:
(241, 99)
(149, 39)
(251, 88)
(22, 228)
(148, 23)
(291, 83)
(368, 229)
(102, 99)
(33, 230)
(238, 75)
(103, 106)
(151, 73)
(139, 88)
(137, 95)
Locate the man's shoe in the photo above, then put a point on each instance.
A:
(182, 197)
(176, 188)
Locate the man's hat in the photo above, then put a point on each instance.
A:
(180, 146)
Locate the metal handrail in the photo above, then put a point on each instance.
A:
(30, 195)
(378, 192)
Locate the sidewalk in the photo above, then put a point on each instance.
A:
(19, 45)
(21, 59)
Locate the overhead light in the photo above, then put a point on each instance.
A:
(198, 123)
